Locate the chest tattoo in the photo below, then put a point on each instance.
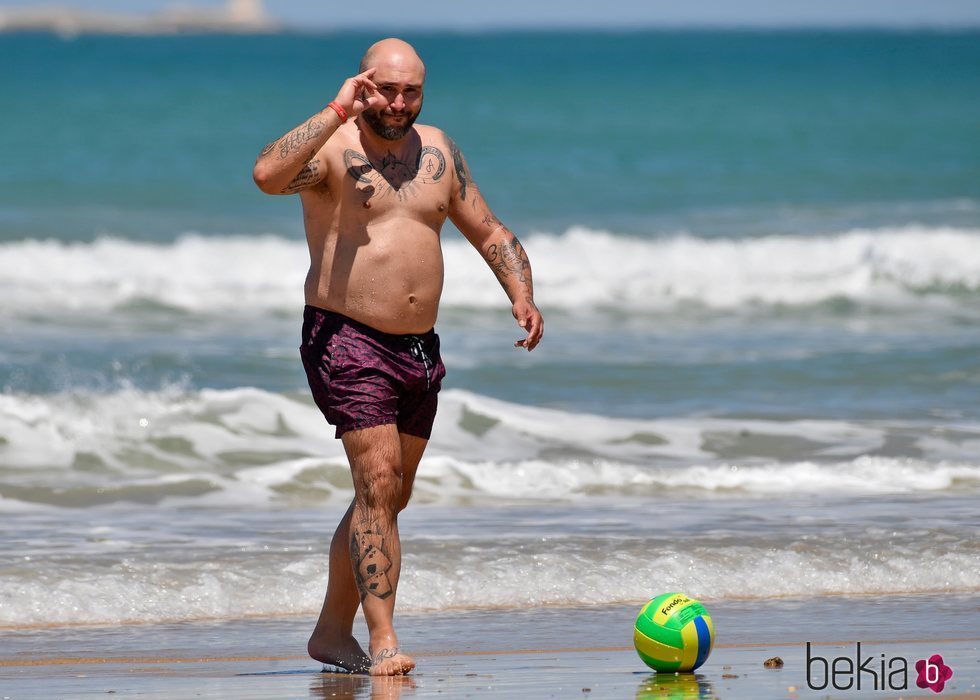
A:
(392, 176)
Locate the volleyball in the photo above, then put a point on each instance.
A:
(673, 633)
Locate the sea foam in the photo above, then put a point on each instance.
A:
(578, 269)
(212, 579)
(253, 447)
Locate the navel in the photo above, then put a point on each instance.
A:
(411, 299)
(442, 207)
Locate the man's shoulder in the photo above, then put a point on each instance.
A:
(432, 134)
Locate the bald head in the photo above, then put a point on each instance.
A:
(399, 75)
(393, 54)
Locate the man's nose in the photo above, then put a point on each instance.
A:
(399, 102)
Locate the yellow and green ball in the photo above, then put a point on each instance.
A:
(673, 633)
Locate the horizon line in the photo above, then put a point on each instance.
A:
(625, 28)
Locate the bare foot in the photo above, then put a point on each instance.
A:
(389, 661)
(338, 650)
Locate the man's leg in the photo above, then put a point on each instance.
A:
(332, 640)
(375, 548)
(412, 449)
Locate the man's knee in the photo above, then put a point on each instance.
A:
(375, 459)
(380, 486)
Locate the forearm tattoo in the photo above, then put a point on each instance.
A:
(307, 176)
(371, 560)
(508, 258)
(296, 139)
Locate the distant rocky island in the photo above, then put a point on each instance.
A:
(237, 16)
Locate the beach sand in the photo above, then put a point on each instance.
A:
(581, 652)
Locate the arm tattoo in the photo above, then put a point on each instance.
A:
(369, 556)
(460, 168)
(269, 148)
(309, 175)
(508, 258)
(298, 137)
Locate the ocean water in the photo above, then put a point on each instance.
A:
(757, 254)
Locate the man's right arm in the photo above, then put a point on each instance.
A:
(291, 163)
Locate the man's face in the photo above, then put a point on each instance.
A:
(402, 88)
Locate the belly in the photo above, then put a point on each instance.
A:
(387, 276)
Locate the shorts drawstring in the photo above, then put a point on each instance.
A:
(418, 352)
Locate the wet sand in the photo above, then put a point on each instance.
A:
(543, 653)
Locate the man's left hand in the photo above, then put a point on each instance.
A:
(529, 318)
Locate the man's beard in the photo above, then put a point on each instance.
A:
(389, 133)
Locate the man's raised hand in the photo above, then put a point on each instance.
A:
(360, 93)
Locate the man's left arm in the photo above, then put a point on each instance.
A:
(499, 247)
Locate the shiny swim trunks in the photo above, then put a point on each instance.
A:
(362, 377)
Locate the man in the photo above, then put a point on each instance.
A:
(376, 189)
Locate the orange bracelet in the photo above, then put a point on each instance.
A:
(341, 112)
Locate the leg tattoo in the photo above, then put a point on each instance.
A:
(370, 560)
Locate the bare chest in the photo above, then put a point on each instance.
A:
(416, 183)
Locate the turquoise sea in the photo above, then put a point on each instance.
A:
(757, 253)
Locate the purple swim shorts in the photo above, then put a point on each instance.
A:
(362, 377)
